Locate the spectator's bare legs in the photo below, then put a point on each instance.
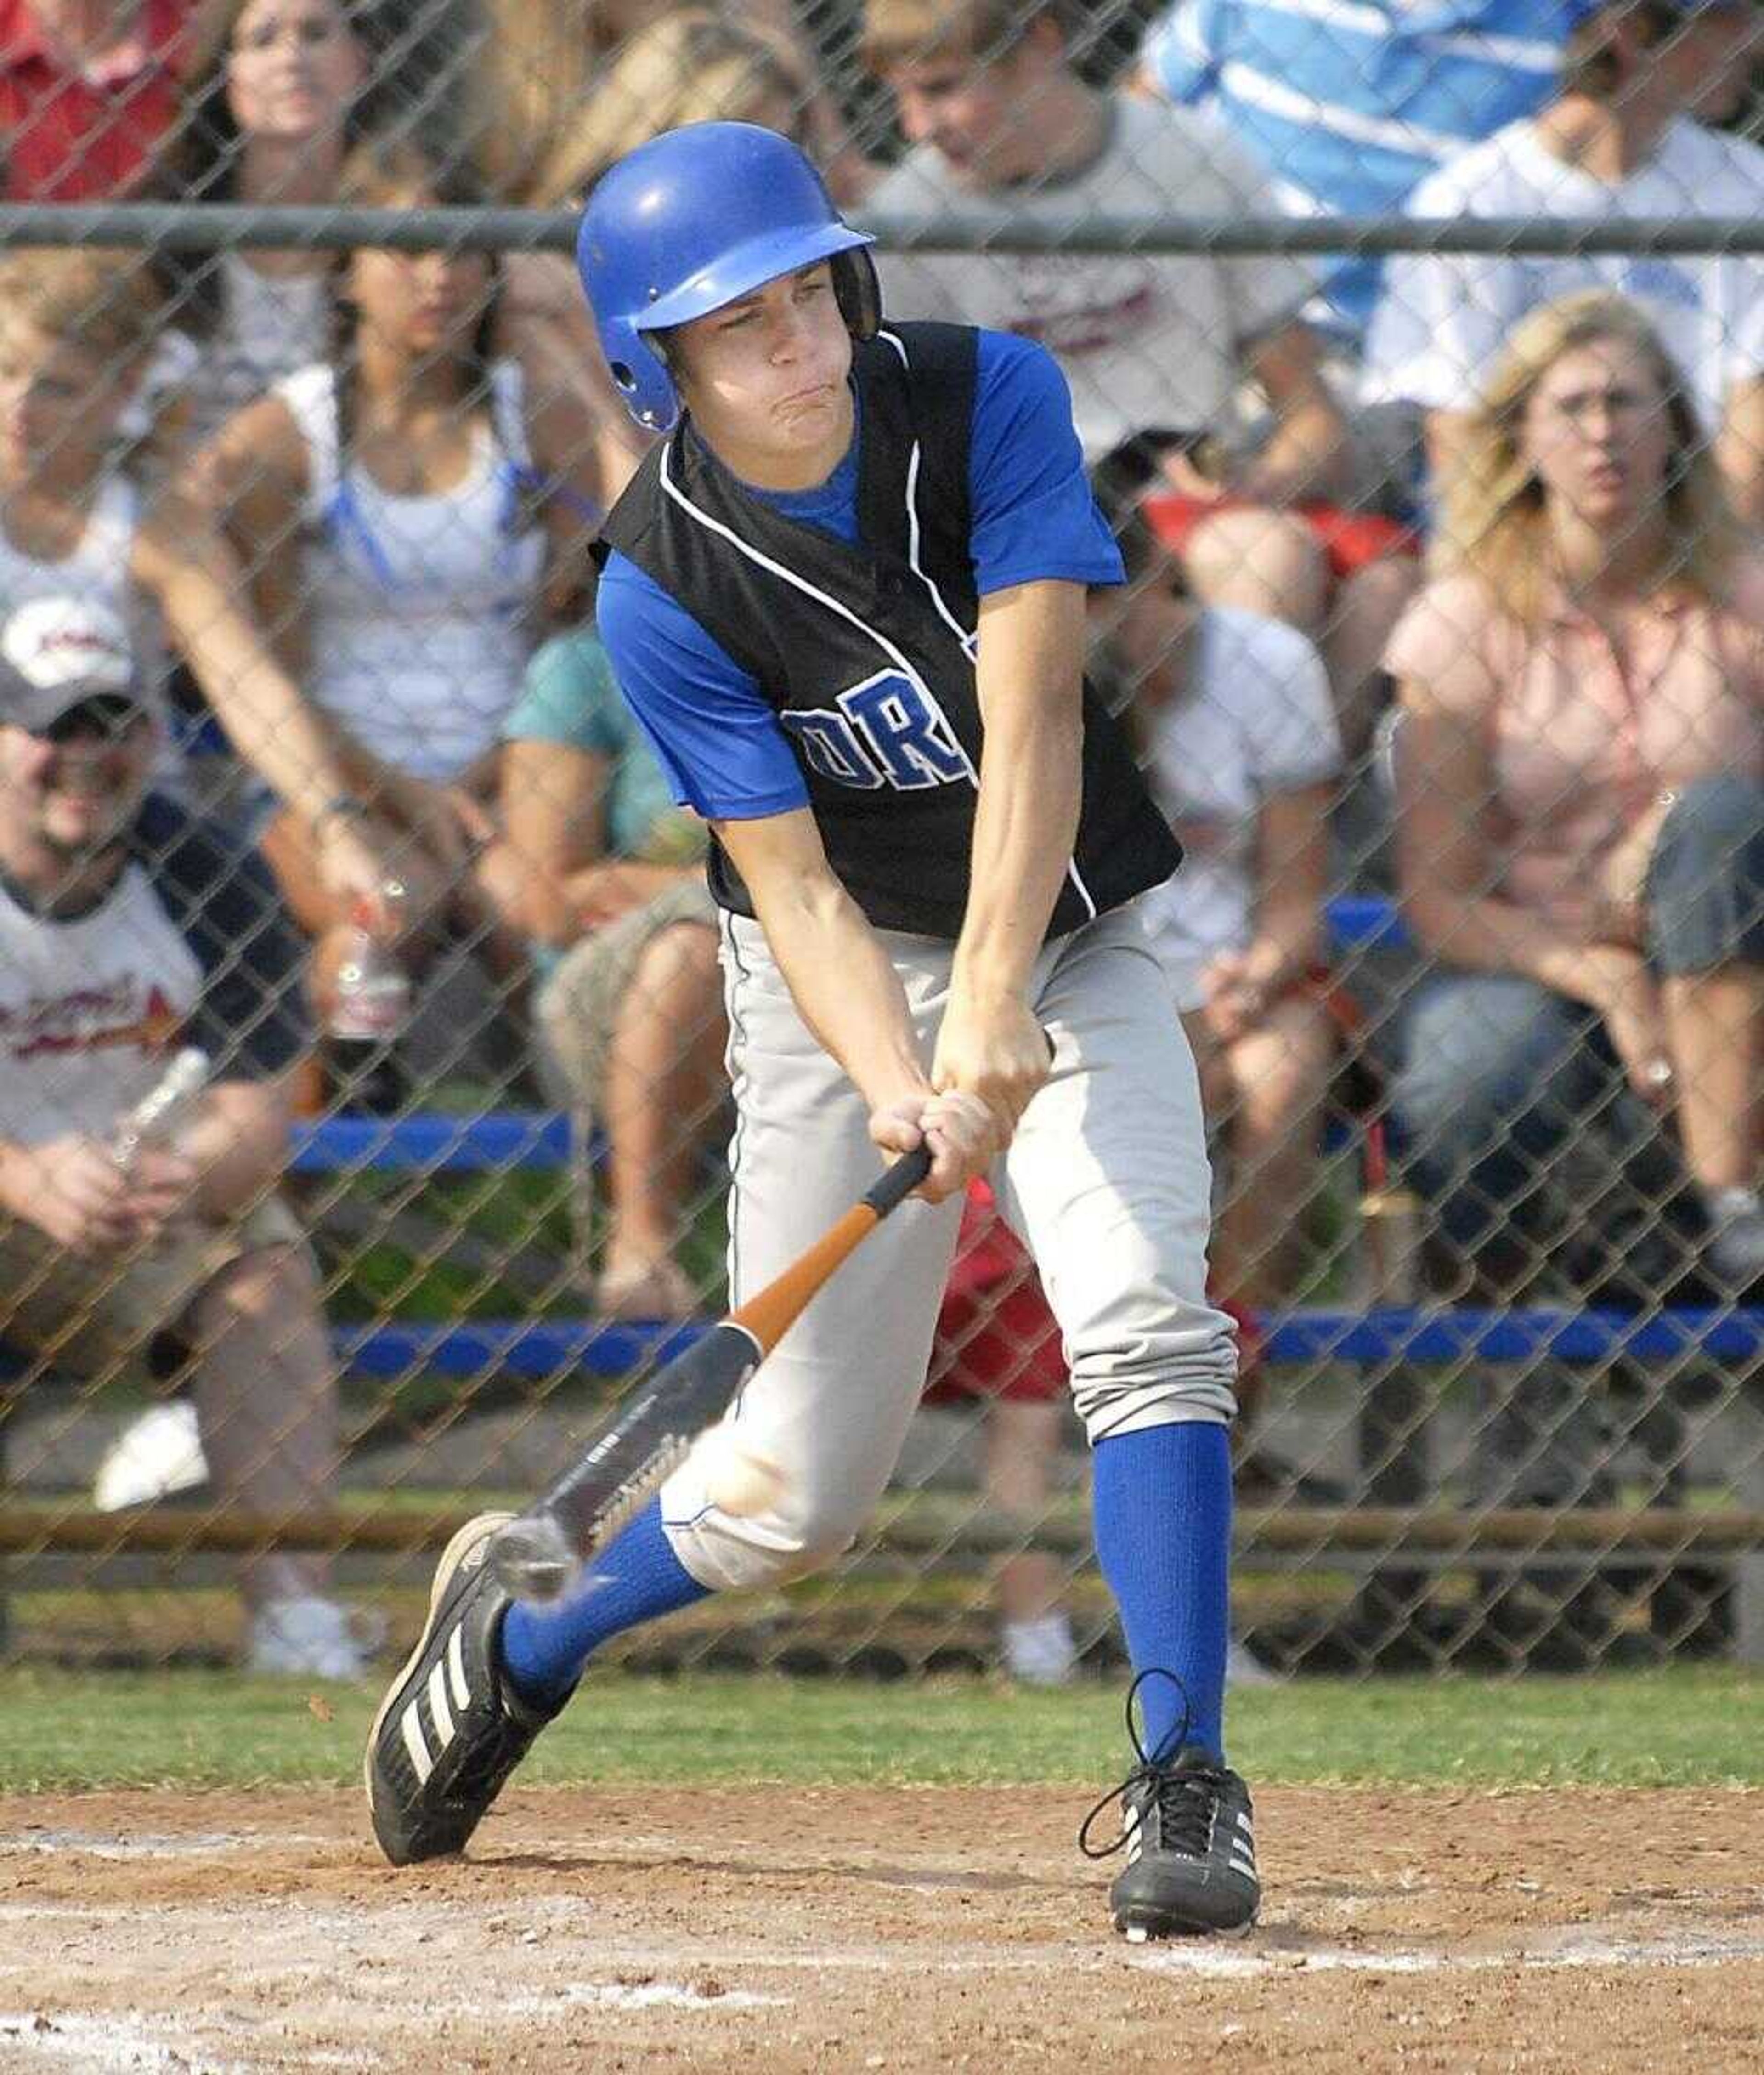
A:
(1267, 1091)
(1262, 562)
(663, 1080)
(1366, 609)
(1022, 1444)
(1022, 1440)
(266, 1398)
(1715, 1026)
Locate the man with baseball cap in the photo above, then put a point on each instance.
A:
(1620, 139)
(125, 927)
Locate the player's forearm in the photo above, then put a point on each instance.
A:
(1024, 831)
(1031, 782)
(845, 988)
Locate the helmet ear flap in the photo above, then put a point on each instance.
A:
(857, 293)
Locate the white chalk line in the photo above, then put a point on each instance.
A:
(119, 2040)
(620, 1996)
(1276, 1950)
(102, 1844)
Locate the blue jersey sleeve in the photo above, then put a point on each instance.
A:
(718, 740)
(1179, 52)
(1034, 517)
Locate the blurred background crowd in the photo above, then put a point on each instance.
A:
(1443, 642)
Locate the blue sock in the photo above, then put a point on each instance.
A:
(1163, 1538)
(636, 1577)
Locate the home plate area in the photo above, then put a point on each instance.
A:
(1578, 1929)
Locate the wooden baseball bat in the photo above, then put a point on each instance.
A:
(539, 1556)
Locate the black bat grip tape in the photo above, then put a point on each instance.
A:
(899, 1182)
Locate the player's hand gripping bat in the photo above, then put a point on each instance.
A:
(539, 1555)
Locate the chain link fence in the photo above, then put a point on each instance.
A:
(1442, 646)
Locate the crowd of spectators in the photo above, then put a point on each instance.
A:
(1495, 514)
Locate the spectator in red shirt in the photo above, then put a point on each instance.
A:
(88, 89)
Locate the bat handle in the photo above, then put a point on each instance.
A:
(899, 1182)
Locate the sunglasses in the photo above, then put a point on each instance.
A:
(108, 718)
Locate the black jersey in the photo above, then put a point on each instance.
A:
(866, 651)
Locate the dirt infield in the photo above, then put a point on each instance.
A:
(868, 1929)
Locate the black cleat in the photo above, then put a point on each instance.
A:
(1188, 1829)
(450, 1731)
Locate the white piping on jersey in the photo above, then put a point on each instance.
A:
(962, 633)
(948, 618)
(896, 655)
(735, 1065)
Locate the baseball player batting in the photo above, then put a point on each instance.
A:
(845, 596)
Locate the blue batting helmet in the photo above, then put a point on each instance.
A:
(693, 220)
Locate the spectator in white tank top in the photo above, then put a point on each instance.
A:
(276, 98)
(76, 329)
(440, 516)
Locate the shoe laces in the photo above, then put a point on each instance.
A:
(1186, 1800)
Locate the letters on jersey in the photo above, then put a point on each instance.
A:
(866, 651)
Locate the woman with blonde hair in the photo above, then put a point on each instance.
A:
(542, 63)
(692, 65)
(1581, 764)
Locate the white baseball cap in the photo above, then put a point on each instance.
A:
(56, 653)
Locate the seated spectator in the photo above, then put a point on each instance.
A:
(1582, 773)
(123, 923)
(1238, 740)
(76, 332)
(1617, 140)
(692, 66)
(542, 63)
(605, 875)
(280, 93)
(1349, 110)
(88, 92)
(429, 495)
(1156, 347)
(271, 107)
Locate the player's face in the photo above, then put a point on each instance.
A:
(973, 114)
(1596, 433)
(765, 380)
(424, 303)
(72, 791)
(59, 408)
(294, 70)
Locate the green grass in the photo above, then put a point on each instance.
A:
(69, 1731)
